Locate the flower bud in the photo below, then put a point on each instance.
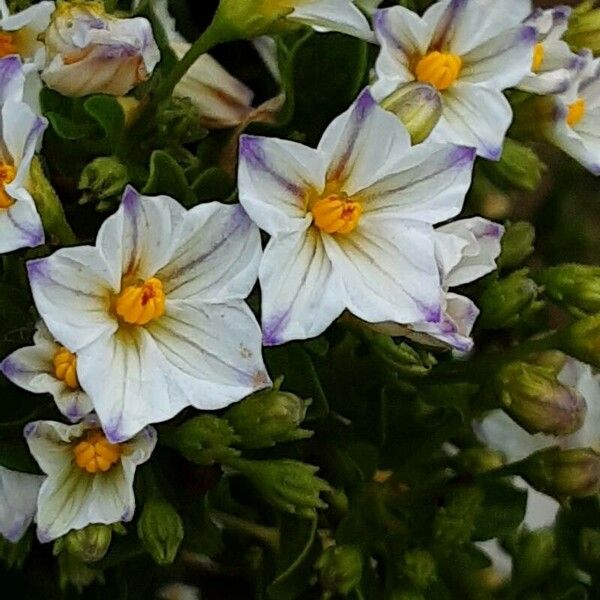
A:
(204, 440)
(536, 400)
(103, 178)
(418, 106)
(581, 340)
(575, 286)
(517, 244)
(506, 300)
(419, 566)
(589, 547)
(584, 27)
(289, 485)
(340, 569)
(89, 544)
(73, 572)
(519, 168)
(535, 557)
(92, 52)
(479, 460)
(160, 529)
(562, 473)
(267, 418)
(178, 123)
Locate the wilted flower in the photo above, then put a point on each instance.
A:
(89, 479)
(469, 51)
(90, 51)
(48, 367)
(20, 132)
(18, 500)
(155, 311)
(350, 222)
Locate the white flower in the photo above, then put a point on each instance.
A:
(18, 500)
(89, 480)
(350, 222)
(574, 124)
(155, 311)
(48, 367)
(469, 50)
(553, 61)
(91, 52)
(20, 131)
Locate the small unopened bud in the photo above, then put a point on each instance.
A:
(518, 168)
(575, 286)
(160, 529)
(562, 473)
(581, 340)
(589, 547)
(584, 28)
(267, 418)
(517, 244)
(289, 485)
(535, 557)
(419, 566)
(536, 400)
(103, 178)
(479, 460)
(340, 569)
(418, 106)
(178, 122)
(89, 544)
(505, 301)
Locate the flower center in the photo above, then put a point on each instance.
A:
(142, 302)
(576, 112)
(336, 214)
(7, 44)
(440, 69)
(538, 57)
(65, 367)
(7, 174)
(95, 453)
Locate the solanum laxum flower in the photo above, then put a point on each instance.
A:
(48, 367)
(469, 51)
(88, 478)
(350, 222)
(155, 311)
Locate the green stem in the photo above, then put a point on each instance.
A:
(268, 535)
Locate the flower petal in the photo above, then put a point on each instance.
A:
(301, 295)
(217, 255)
(18, 501)
(12, 79)
(20, 223)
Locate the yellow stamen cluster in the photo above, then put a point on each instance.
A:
(95, 453)
(7, 174)
(7, 44)
(336, 214)
(439, 69)
(538, 57)
(65, 367)
(142, 302)
(576, 112)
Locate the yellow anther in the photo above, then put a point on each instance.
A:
(142, 302)
(65, 367)
(95, 453)
(576, 112)
(7, 174)
(538, 57)
(7, 44)
(336, 214)
(440, 69)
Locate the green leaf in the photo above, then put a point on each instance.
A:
(68, 129)
(167, 177)
(212, 184)
(109, 115)
(14, 455)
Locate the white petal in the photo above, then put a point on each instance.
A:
(359, 142)
(138, 239)
(333, 15)
(18, 500)
(274, 178)
(213, 352)
(20, 224)
(301, 295)
(72, 291)
(474, 116)
(216, 257)
(36, 18)
(388, 271)
(428, 184)
(12, 79)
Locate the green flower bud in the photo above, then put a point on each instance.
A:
(582, 340)
(178, 122)
(479, 460)
(289, 485)
(268, 418)
(103, 178)
(455, 522)
(536, 400)
(562, 473)
(160, 529)
(584, 28)
(535, 558)
(73, 572)
(517, 244)
(418, 106)
(89, 544)
(575, 286)
(420, 568)
(518, 168)
(204, 440)
(340, 569)
(504, 301)
(589, 547)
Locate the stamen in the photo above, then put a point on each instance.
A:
(7, 174)
(336, 214)
(141, 303)
(576, 112)
(538, 57)
(439, 69)
(7, 44)
(95, 453)
(65, 367)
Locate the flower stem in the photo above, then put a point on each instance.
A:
(268, 535)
